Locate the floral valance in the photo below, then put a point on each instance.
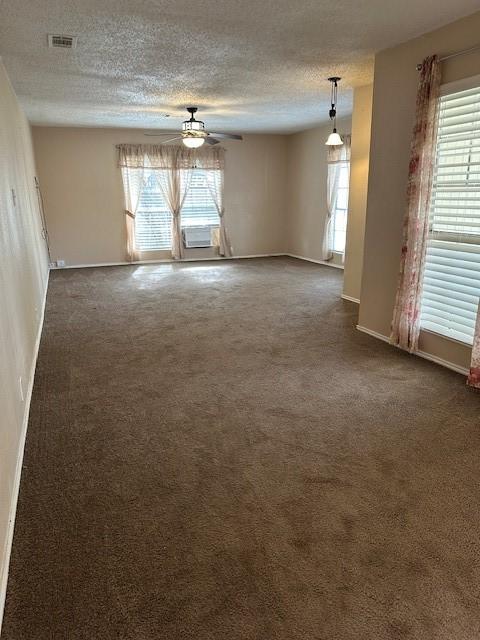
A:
(167, 156)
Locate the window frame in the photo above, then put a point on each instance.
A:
(211, 225)
(345, 164)
(446, 89)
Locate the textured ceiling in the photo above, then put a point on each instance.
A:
(251, 65)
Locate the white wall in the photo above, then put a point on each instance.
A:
(357, 201)
(83, 193)
(23, 279)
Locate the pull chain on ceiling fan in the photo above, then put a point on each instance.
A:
(194, 134)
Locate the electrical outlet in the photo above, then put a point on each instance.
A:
(52, 265)
(60, 263)
(20, 385)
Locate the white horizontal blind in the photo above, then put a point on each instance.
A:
(199, 208)
(153, 222)
(451, 286)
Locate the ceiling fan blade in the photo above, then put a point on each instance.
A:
(230, 136)
(155, 135)
(210, 140)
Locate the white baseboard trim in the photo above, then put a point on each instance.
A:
(167, 261)
(422, 354)
(375, 334)
(18, 468)
(324, 262)
(443, 363)
(170, 261)
(350, 298)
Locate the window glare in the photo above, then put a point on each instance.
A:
(341, 210)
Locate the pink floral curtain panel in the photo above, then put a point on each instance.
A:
(406, 318)
(474, 377)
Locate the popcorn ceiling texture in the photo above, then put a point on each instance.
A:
(251, 66)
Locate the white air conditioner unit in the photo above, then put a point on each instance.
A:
(196, 237)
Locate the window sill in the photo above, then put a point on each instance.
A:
(145, 251)
(468, 345)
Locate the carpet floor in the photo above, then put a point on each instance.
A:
(215, 453)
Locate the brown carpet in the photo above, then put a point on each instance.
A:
(215, 453)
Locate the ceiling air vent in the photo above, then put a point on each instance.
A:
(63, 42)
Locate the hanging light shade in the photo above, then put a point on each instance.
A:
(334, 139)
(193, 142)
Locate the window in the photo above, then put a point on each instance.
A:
(199, 209)
(451, 286)
(153, 222)
(341, 209)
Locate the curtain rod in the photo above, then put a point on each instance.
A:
(454, 55)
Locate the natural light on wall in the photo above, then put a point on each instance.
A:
(451, 286)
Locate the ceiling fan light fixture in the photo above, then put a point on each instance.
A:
(193, 126)
(193, 141)
(193, 131)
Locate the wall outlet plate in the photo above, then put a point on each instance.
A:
(60, 263)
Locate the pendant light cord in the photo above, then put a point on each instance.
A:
(334, 103)
(333, 110)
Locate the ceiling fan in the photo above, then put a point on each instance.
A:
(194, 134)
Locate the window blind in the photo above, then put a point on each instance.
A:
(199, 208)
(451, 286)
(153, 222)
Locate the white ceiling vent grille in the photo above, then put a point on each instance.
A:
(62, 42)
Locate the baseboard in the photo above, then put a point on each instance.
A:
(375, 334)
(350, 298)
(422, 354)
(18, 469)
(168, 261)
(443, 363)
(324, 262)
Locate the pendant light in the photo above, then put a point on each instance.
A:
(334, 139)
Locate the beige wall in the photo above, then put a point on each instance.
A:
(395, 86)
(23, 278)
(307, 190)
(357, 201)
(83, 193)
